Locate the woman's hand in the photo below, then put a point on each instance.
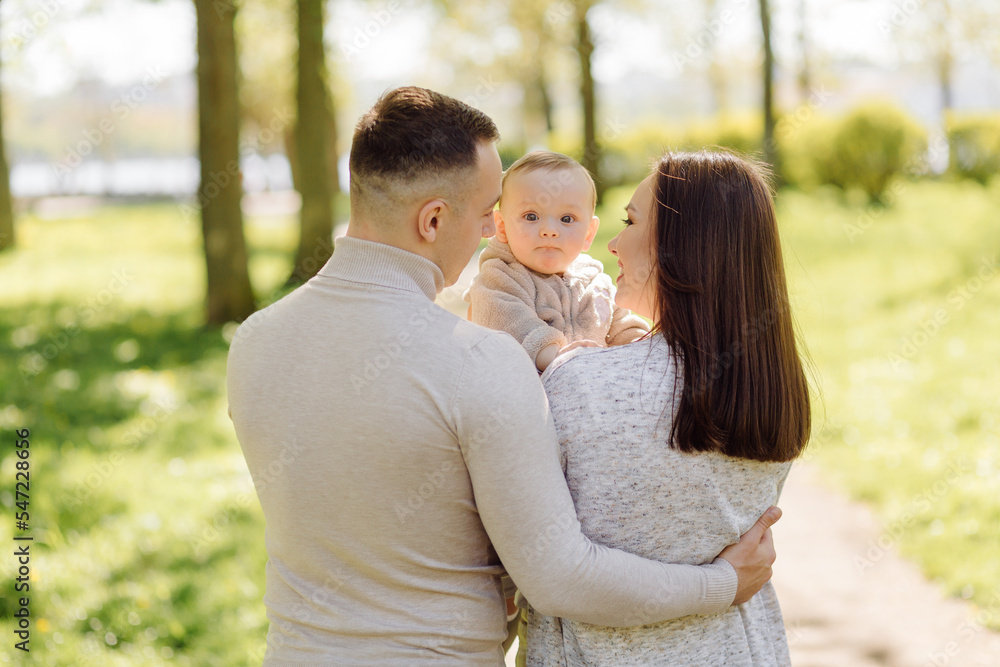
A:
(753, 556)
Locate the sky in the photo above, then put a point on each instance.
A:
(48, 44)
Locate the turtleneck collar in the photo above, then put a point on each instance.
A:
(360, 261)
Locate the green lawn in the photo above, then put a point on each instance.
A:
(149, 540)
(899, 311)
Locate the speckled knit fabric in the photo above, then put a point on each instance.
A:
(612, 408)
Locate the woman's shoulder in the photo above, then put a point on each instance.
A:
(609, 364)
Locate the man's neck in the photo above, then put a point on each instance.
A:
(366, 232)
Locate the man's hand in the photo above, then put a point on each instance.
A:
(753, 556)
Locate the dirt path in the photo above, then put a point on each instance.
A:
(848, 601)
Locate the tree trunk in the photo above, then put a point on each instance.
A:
(537, 113)
(585, 49)
(717, 78)
(546, 100)
(770, 149)
(292, 153)
(333, 138)
(312, 144)
(944, 80)
(229, 295)
(945, 56)
(805, 75)
(6, 207)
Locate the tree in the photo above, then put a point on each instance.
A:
(770, 148)
(805, 72)
(314, 176)
(717, 69)
(942, 33)
(532, 61)
(6, 208)
(543, 26)
(229, 296)
(588, 99)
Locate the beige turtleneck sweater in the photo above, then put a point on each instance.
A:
(401, 453)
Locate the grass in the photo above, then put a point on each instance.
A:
(147, 531)
(148, 537)
(899, 310)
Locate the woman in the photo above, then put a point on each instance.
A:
(675, 444)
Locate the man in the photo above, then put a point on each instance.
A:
(401, 453)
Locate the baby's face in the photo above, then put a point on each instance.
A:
(547, 218)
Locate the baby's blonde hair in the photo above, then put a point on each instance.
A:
(548, 160)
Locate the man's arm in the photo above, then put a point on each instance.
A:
(510, 449)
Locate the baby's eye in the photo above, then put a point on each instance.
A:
(531, 217)
(567, 219)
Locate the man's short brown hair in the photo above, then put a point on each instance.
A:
(410, 139)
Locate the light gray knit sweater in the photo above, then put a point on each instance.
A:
(613, 409)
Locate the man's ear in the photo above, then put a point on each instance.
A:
(429, 219)
(595, 222)
(501, 230)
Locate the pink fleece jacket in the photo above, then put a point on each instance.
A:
(541, 309)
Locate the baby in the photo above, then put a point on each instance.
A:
(534, 281)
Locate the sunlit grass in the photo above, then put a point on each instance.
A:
(147, 531)
(148, 536)
(900, 316)
(899, 309)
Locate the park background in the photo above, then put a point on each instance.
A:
(131, 250)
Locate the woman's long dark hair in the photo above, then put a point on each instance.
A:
(722, 305)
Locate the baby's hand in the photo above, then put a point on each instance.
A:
(548, 353)
(578, 343)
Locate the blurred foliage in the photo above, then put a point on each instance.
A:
(149, 543)
(975, 145)
(629, 157)
(898, 307)
(872, 145)
(906, 415)
(866, 148)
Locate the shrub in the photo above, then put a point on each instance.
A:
(743, 134)
(630, 156)
(870, 146)
(974, 143)
(805, 150)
